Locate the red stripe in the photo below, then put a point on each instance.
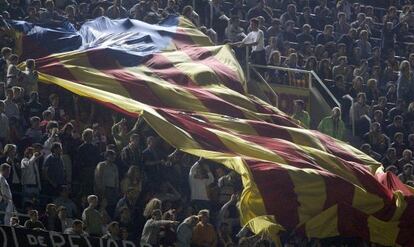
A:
(166, 70)
(406, 225)
(338, 190)
(52, 66)
(202, 55)
(137, 88)
(352, 222)
(207, 139)
(277, 191)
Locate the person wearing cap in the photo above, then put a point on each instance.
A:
(407, 173)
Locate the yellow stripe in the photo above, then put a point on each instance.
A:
(384, 233)
(323, 225)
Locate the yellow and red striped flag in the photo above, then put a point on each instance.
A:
(193, 94)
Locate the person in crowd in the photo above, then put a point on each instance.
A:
(4, 125)
(30, 174)
(10, 107)
(185, 231)
(333, 125)
(200, 177)
(6, 199)
(152, 227)
(85, 164)
(107, 179)
(76, 229)
(378, 141)
(50, 219)
(64, 200)
(64, 219)
(113, 231)
(33, 221)
(204, 233)
(407, 174)
(53, 170)
(366, 148)
(15, 222)
(131, 154)
(255, 39)
(92, 218)
(300, 114)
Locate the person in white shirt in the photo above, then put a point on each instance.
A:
(6, 199)
(30, 174)
(200, 177)
(13, 73)
(4, 126)
(255, 39)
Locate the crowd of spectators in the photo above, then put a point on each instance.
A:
(78, 168)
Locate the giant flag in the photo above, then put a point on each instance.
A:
(193, 94)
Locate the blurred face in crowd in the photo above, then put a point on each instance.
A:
(408, 170)
(203, 218)
(77, 228)
(336, 113)
(33, 215)
(6, 173)
(407, 155)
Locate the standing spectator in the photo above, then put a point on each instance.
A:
(131, 154)
(10, 108)
(204, 233)
(87, 159)
(333, 125)
(33, 107)
(30, 77)
(255, 39)
(13, 73)
(107, 180)
(4, 126)
(405, 83)
(6, 200)
(34, 133)
(121, 134)
(233, 31)
(152, 228)
(53, 170)
(14, 179)
(30, 174)
(92, 218)
(359, 109)
(185, 231)
(200, 178)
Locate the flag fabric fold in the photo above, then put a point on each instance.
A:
(193, 94)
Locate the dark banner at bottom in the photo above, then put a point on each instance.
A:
(22, 237)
